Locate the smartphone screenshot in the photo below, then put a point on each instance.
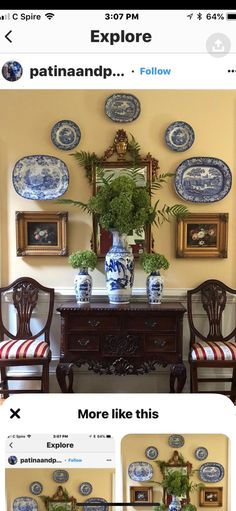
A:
(59, 468)
(117, 280)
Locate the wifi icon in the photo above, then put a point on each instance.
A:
(49, 15)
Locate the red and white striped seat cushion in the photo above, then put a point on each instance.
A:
(219, 350)
(23, 349)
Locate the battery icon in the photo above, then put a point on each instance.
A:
(231, 16)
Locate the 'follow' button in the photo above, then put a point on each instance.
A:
(154, 71)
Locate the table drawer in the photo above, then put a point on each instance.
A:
(149, 323)
(93, 323)
(160, 343)
(83, 342)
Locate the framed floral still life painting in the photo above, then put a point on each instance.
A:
(41, 233)
(141, 494)
(202, 235)
(211, 496)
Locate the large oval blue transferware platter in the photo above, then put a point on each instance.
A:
(140, 471)
(40, 177)
(211, 472)
(122, 107)
(25, 503)
(203, 179)
(95, 504)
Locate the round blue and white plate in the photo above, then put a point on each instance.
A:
(179, 136)
(65, 135)
(151, 452)
(201, 453)
(36, 488)
(140, 471)
(85, 488)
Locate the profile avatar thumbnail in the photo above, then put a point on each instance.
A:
(12, 71)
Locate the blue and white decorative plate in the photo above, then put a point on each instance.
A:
(60, 476)
(176, 441)
(211, 472)
(25, 504)
(203, 179)
(151, 452)
(201, 453)
(65, 135)
(99, 504)
(36, 488)
(179, 136)
(40, 177)
(122, 107)
(140, 471)
(85, 488)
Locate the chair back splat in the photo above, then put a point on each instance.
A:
(216, 349)
(25, 346)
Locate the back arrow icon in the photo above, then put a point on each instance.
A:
(6, 36)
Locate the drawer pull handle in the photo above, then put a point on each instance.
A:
(150, 323)
(83, 342)
(159, 343)
(93, 323)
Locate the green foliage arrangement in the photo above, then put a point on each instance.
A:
(176, 483)
(123, 203)
(153, 262)
(83, 259)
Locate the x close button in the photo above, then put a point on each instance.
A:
(14, 413)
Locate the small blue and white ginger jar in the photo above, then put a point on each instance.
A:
(83, 286)
(154, 284)
(119, 269)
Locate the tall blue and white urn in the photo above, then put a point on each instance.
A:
(154, 286)
(119, 268)
(83, 286)
(175, 504)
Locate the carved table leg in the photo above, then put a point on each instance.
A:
(65, 369)
(177, 372)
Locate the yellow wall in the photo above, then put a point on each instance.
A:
(25, 124)
(133, 449)
(100, 478)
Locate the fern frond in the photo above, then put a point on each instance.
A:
(134, 149)
(164, 214)
(84, 207)
(87, 160)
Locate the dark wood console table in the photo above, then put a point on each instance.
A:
(121, 339)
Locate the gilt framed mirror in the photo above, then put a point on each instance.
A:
(119, 165)
(176, 463)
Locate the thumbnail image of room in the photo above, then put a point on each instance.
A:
(173, 471)
(38, 489)
(111, 151)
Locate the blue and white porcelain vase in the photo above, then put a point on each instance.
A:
(83, 286)
(154, 285)
(175, 504)
(119, 268)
